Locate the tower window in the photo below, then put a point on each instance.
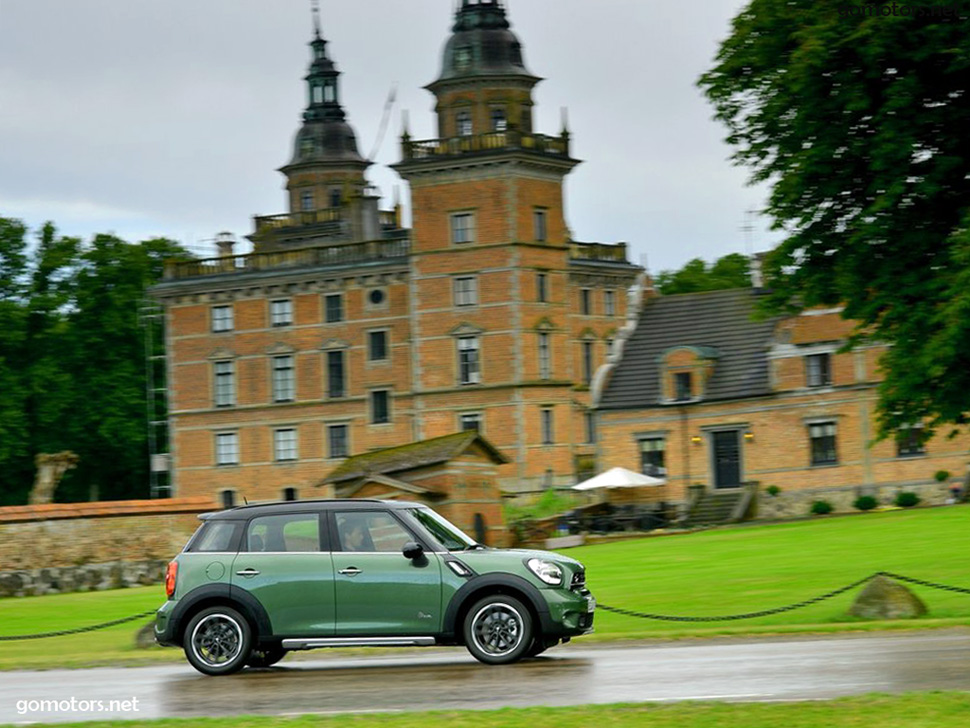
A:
(284, 379)
(539, 225)
(587, 362)
(585, 301)
(335, 197)
(466, 291)
(499, 121)
(542, 287)
(335, 374)
(470, 421)
(463, 227)
(609, 303)
(380, 407)
(468, 361)
(547, 432)
(463, 122)
(545, 356)
(306, 201)
(329, 92)
(316, 94)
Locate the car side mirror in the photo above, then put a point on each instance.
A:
(412, 550)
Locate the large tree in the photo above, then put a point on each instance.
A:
(858, 117)
(72, 359)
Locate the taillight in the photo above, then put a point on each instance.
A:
(170, 573)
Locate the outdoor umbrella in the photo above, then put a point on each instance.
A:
(618, 478)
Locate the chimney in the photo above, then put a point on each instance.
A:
(225, 242)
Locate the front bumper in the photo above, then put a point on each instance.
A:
(570, 612)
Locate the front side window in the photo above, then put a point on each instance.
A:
(380, 407)
(284, 444)
(652, 461)
(337, 441)
(290, 532)
(335, 308)
(822, 438)
(466, 291)
(225, 384)
(462, 228)
(377, 345)
(370, 531)
(818, 370)
(283, 379)
(281, 312)
(221, 318)
(441, 530)
(227, 448)
(468, 361)
(336, 385)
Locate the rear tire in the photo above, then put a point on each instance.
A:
(218, 641)
(498, 630)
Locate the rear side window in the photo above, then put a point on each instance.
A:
(290, 532)
(215, 536)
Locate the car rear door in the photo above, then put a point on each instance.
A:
(285, 564)
(378, 590)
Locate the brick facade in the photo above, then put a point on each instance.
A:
(488, 308)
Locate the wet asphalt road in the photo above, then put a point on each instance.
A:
(801, 668)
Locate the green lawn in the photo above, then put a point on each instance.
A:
(924, 710)
(708, 573)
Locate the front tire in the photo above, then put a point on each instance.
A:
(218, 641)
(498, 630)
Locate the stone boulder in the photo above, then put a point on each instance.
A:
(883, 598)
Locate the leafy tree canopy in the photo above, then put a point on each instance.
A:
(72, 359)
(731, 271)
(857, 116)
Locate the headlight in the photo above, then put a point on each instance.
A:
(545, 570)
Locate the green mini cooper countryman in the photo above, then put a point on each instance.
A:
(256, 582)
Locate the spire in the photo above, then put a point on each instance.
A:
(315, 9)
(322, 83)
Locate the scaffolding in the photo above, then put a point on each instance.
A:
(151, 316)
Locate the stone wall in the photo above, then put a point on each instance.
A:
(110, 534)
(796, 504)
(87, 577)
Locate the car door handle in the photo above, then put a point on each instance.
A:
(350, 571)
(247, 572)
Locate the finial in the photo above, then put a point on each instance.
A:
(315, 8)
(565, 120)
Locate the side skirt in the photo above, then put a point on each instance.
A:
(315, 642)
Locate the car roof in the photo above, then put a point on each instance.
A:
(305, 506)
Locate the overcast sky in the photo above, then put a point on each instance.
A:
(170, 117)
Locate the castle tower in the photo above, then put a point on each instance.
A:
(493, 266)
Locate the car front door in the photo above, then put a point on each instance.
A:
(282, 565)
(378, 591)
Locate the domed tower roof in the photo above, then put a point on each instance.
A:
(325, 136)
(482, 44)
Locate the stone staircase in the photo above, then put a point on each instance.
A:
(711, 507)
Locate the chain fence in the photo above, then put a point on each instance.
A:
(604, 607)
(787, 607)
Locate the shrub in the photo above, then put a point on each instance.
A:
(906, 499)
(865, 503)
(942, 476)
(821, 507)
(772, 490)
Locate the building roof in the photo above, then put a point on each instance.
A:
(413, 455)
(716, 320)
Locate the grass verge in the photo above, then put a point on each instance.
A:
(918, 710)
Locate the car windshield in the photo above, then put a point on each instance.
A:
(442, 530)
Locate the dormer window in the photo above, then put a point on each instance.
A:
(682, 390)
(463, 58)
